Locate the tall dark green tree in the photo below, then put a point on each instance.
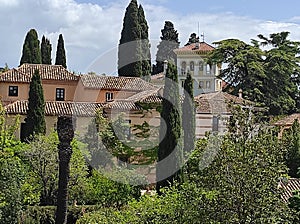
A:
(46, 49)
(35, 120)
(193, 39)
(145, 45)
(291, 142)
(188, 115)
(129, 57)
(170, 153)
(169, 42)
(31, 49)
(60, 52)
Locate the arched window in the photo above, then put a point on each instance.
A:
(200, 65)
(207, 68)
(192, 65)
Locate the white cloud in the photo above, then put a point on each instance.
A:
(90, 31)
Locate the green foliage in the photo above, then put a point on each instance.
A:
(35, 120)
(46, 49)
(265, 76)
(294, 205)
(145, 45)
(188, 115)
(134, 48)
(193, 39)
(170, 133)
(169, 42)
(291, 142)
(31, 52)
(60, 52)
(42, 157)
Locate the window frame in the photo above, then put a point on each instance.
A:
(60, 94)
(13, 91)
(109, 96)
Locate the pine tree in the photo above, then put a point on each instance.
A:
(169, 42)
(31, 49)
(145, 45)
(129, 62)
(35, 120)
(46, 49)
(188, 115)
(60, 52)
(193, 39)
(170, 134)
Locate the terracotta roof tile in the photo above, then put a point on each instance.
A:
(47, 72)
(289, 120)
(55, 108)
(218, 102)
(115, 83)
(201, 47)
(122, 105)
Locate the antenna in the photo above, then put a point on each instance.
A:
(198, 28)
(203, 37)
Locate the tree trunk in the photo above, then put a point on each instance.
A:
(65, 135)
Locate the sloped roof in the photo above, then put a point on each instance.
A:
(289, 120)
(47, 72)
(218, 102)
(195, 48)
(122, 105)
(147, 96)
(115, 83)
(288, 186)
(55, 108)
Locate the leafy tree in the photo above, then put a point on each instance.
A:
(188, 115)
(169, 42)
(193, 39)
(60, 52)
(129, 61)
(291, 141)
(31, 52)
(244, 170)
(170, 134)
(35, 120)
(46, 49)
(269, 77)
(145, 45)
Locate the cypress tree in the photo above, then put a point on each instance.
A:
(169, 42)
(188, 115)
(31, 49)
(60, 52)
(129, 61)
(145, 45)
(170, 134)
(35, 120)
(46, 49)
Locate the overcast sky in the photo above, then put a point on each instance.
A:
(91, 28)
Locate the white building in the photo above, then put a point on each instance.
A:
(191, 58)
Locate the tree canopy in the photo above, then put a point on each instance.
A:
(46, 49)
(169, 42)
(31, 52)
(268, 76)
(60, 52)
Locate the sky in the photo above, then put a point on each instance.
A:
(91, 28)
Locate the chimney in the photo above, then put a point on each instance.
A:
(241, 93)
(165, 67)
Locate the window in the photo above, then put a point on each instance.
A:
(207, 84)
(207, 69)
(60, 94)
(13, 91)
(215, 124)
(200, 84)
(109, 96)
(183, 68)
(192, 65)
(200, 65)
(182, 83)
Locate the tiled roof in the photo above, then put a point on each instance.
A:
(288, 186)
(201, 47)
(148, 96)
(47, 72)
(218, 102)
(122, 105)
(115, 83)
(289, 120)
(55, 108)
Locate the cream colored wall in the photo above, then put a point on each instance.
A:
(50, 87)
